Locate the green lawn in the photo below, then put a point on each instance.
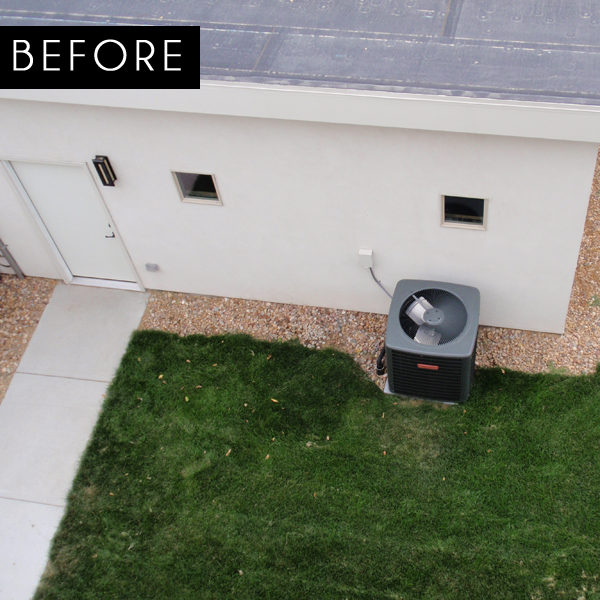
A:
(225, 467)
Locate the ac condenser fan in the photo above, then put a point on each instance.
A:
(431, 340)
(433, 317)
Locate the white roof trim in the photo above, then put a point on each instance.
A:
(382, 109)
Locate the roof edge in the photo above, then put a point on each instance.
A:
(543, 120)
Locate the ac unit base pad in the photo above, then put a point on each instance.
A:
(388, 391)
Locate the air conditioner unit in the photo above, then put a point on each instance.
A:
(431, 340)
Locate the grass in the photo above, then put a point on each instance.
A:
(225, 467)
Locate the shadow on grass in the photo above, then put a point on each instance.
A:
(226, 467)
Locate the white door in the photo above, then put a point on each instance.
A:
(71, 209)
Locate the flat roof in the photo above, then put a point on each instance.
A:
(528, 50)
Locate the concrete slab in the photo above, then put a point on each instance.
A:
(27, 529)
(45, 425)
(83, 332)
(47, 417)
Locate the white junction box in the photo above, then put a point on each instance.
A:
(365, 257)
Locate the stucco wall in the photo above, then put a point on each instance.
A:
(300, 198)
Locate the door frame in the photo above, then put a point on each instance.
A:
(53, 250)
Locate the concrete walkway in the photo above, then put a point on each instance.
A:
(47, 417)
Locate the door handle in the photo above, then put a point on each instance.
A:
(110, 236)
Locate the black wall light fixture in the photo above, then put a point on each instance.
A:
(105, 170)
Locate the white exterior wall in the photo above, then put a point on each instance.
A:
(300, 198)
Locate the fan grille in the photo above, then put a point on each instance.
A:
(455, 314)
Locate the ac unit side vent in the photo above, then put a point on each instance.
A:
(409, 380)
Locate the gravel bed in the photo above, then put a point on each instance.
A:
(360, 334)
(22, 302)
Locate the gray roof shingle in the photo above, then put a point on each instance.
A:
(546, 50)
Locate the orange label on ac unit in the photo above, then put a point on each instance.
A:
(430, 367)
